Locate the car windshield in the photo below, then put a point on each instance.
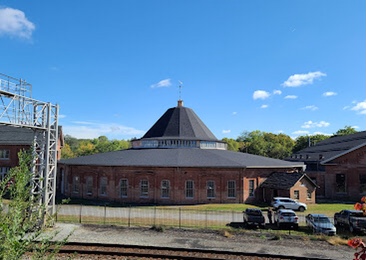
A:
(322, 220)
(288, 214)
(254, 212)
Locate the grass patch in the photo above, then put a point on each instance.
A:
(337, 241)
(321, 208)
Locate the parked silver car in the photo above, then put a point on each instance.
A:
(286, 217)
(320, 224)
(288, 203)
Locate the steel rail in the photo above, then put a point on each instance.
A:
(165, 252)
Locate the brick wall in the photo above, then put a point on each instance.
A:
(352, 165)
(177, 178)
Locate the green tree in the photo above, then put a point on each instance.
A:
(66, 152)
(22, 226)
(79, 147)
(232, 144)
(347, 130)
(86, 147)
(301, 142)
(271, 145)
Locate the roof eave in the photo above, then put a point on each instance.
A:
(344, 153)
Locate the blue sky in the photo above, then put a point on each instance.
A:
(114, 67)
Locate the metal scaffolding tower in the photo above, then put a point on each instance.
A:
(19, 109)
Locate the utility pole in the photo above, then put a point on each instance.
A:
(19, 109)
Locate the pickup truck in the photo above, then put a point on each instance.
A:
(354, 220)
(253, 217)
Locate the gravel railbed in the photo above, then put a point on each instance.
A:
(249, 241)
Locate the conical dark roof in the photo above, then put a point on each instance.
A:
(180, 123)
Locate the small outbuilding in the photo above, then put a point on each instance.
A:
(294, 185)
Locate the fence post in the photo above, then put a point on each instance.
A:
(105, 214)
(129, 216)
(180, 218)
(206, 219)
(154, 216)
(81, 206)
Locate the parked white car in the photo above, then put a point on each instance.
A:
(286, 217)
(288, 203)
(320, 224)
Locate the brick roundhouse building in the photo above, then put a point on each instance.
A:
(177, 161)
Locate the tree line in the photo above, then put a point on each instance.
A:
(278, 146)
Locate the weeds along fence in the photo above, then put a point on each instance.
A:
(150, 216)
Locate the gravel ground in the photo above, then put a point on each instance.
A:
(249, 241)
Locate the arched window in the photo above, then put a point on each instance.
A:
(123, 186)
(189, 189)
(210, 189)
(103, 186)
(165, 189)
(144, 188)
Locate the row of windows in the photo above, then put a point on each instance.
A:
(165, 188)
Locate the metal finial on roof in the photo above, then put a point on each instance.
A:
(180, 89)
(180, 101)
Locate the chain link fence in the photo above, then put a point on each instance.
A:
(152, 216)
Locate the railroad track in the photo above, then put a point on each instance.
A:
(116, 251)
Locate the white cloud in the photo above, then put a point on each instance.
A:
(264, 106)
(290, 97)
(162, 84)
(260, 94)
(90, 130)
(226, 131)
(311, 124)
(329, 94)
(14, 23)
(277, 92)
(311, 107)
(298, 80)
(360, 107)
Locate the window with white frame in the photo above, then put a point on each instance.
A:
(144, 188)
(165, 189)
(89, 185)
(103, 186)
(189, 189)
(296, 194)
(3, 172)
(231, 189)
(210, 186)
(308, 194)
(76, 184)
(123, 185)
(251, 188)
(4, 154)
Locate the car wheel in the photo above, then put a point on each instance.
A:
(281, 207)
(302, 209)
